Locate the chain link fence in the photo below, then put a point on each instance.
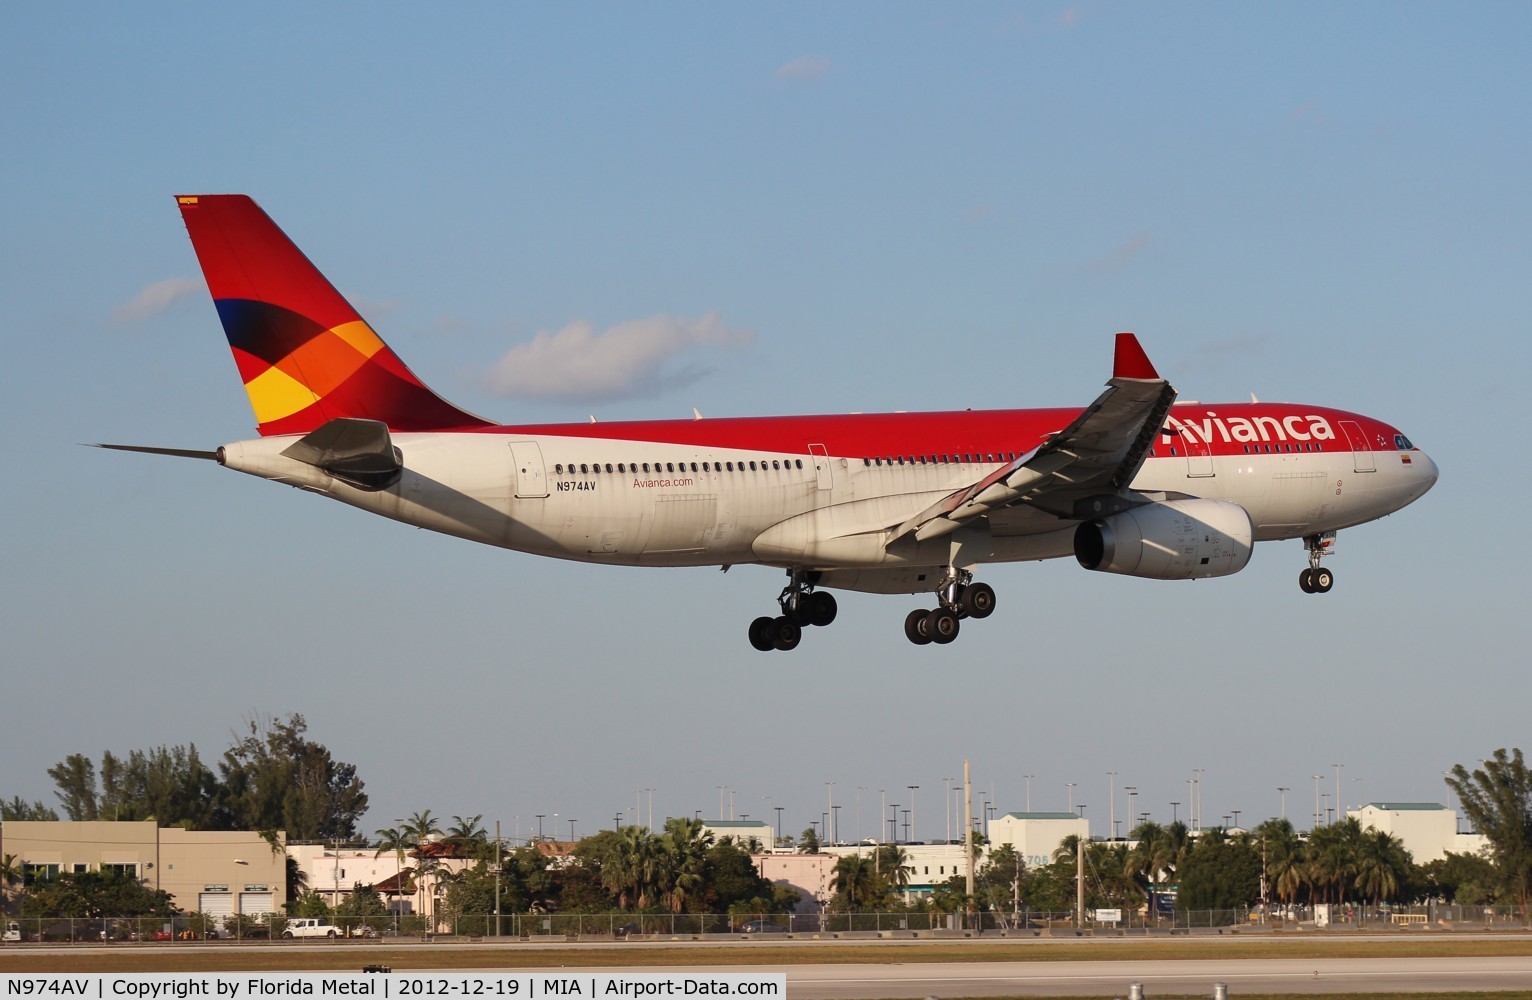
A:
(195, 927)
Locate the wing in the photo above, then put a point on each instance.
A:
(1080, 472)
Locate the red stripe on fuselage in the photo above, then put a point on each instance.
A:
(983, 431)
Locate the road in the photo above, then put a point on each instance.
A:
(1195, 977)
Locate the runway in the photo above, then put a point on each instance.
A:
(1159, 978)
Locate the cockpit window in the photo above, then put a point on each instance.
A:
(1402, 443)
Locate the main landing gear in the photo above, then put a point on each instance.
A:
(959, 598)
(801, 605)
(1316, 579)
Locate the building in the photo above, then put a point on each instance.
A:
(741, 830)
(810, 874)
(219, 873)
(1427, 830)
(1036, 835)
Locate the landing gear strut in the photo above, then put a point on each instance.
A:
(958, 597)
(801, 605)
(1316, 579)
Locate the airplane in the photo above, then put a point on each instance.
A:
(1136, 483)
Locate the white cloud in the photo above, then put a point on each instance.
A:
(154, 299)
(624, 361)
(1119, 258)
(803, 69)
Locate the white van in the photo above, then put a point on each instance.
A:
(307, 927)
(12, 932)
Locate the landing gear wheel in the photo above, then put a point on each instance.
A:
(788, 633)
(978, 600)
(1306, 581)
(1323, 581)
(763, 634)
(917, 626)
(943, 626)
(821, 608)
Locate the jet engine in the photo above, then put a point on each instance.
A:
(1174, 540)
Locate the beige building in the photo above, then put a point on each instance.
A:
(213, 872)
(1036, 835)
(1427, 830)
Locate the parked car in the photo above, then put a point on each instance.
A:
(12, 932)
(762, 927)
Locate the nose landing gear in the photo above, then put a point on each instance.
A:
(1316, 579)
(801, 605)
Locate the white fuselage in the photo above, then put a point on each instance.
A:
(681, 505)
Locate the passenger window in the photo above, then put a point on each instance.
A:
(558, 470)
(776, 465)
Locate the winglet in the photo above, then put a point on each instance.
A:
(1130, 360)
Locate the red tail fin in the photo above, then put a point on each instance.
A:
(305, 355)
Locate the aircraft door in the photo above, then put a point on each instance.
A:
(1199, 456)
(531, 474)
(1361, 450)
(822, 472)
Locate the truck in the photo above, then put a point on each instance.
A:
(309, 927)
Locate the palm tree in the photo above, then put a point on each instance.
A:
(1286, 859)
(420, 828)
(855, 880)
(1333, 856)
(1160, 852)
(682, 852)
(396, 839)
(10, 874)
(1381, 865)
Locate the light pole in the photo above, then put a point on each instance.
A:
(1282, 789)
(835, 824)
(1317, 779)
(947, 795)
(913, 830)
(571, 831)
(1111, 827)
(1029, 778)
(1199, 772)
(829, 808)
(540, 825)
(720, 802)
(779, 826)
(1071, 786)
(1132, 791)
(1337, 789)
(1173, 813)
(895, 821)
(1236, 818)
(1191, 804)
(1361, 793)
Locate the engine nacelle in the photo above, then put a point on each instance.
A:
(1175, 540)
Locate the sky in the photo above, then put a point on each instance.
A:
(627, 211)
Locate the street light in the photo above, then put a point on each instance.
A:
(779, 826)
(1132, 791)
(1112, 804)
(913, 789)
(1029, 778)
(540, 825)
(1317, 814)
(1173, 814)
(1071, 786)
(1283, 790)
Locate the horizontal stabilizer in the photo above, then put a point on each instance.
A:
(358, 452)
(211, 456)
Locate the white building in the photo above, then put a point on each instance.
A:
(1427, 830)
(741, 830)
(1036, 835)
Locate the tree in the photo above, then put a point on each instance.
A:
(21, 811)
(275, 778)
(808, 841)
(856, 882)
(683, 875)
(95, 894)
(1286, 859)
(10, 874)
(1497, 799)
(1333, 857)
(1219, 874)
(76, 780)
(395, 840)
(1382, 866)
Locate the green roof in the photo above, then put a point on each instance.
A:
(1041, 815)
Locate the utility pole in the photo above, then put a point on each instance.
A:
(498, 859)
